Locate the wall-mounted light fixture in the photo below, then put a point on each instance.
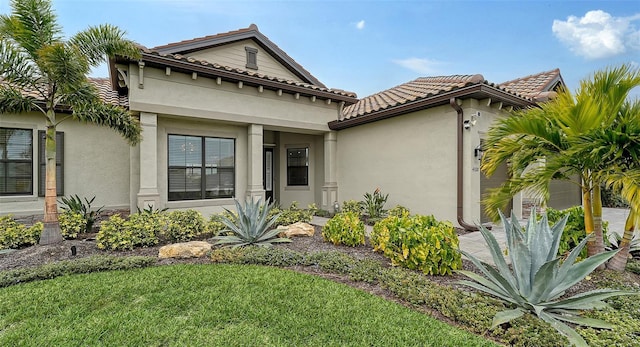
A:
(478, 152)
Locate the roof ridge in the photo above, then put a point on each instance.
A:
(251, 27)
(556, 70)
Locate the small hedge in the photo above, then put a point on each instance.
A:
(148, 228)
(17, 235)
(76, 266)
(345, 228)
(71, 224)
(418, 243)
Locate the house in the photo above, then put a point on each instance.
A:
(233, 116)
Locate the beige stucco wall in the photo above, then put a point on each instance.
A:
(96, 163)
(202, 107)
(234, 55)
(179, 94)
(413, 158)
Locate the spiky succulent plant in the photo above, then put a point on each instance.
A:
(252, 226)
(540, 278)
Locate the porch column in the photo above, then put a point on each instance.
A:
(148, 192)
(330, 186)
(255, 189)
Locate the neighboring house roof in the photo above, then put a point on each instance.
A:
(424, 92)
(103, 85)
(535, 86)
(187, 46)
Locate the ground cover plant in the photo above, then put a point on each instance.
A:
(212, 305)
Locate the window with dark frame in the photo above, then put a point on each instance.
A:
(201, 167)
(16, 161)
(252, 58)
(297, 166)
(42, 163)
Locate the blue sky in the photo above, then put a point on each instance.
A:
(369, 46)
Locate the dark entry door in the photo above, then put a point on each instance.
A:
(267, 174)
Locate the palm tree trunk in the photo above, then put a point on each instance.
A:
(619, 261)
(588, 219)
(51, 233)
(597, 217)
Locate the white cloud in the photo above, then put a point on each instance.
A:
(419, 65)
(598, 34)
(360, 25)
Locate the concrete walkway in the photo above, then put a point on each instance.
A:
(474, 244)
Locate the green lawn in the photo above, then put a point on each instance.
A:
(211, 305)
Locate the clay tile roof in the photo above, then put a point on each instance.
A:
(415, 90)
(533, 85)
(103, 85)
(251, 27)
(215, 66)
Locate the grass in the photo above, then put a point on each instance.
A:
(215, 305)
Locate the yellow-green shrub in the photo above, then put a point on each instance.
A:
(16, 235)
(71, 224)
(293, 214)
(184, 225)
(344, 229)
(142, 229)
(418, 242)
(214, 225)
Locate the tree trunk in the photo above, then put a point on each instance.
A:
(588, 220)
(619, 261)
(51, 233)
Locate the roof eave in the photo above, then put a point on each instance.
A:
(480, 90)
(179, 65)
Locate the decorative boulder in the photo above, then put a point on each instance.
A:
(192, 249)
(296, 229)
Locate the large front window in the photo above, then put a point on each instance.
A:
(16, 161)
(297, 166)
(201, 167)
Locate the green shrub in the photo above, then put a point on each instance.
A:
(419, 243)
(184, 225)
(399, 211)
(293, 214)
(140, 230)
(17, 235)
(574, 231)
(71, 224)
(76, 266)
(214, 225)
(344, 229)
(352, 206)
(75, 204)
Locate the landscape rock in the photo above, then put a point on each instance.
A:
(296, 229)
(191, 249)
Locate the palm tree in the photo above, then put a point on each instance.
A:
(34, 58)
(563, 136)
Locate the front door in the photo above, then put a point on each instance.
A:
(267, 174)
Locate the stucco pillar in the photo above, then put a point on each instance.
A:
(255, 189)
(330, 186)
(148, 194)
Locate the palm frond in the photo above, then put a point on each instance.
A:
(12, 101)
(98, 42)
(112, 116)
(33, 25)
(63, 64)
(15, 66)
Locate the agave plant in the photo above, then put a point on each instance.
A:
(539, 278)
(615, 239)
(252, 226)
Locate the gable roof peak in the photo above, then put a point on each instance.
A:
(251, 32)
(532, 86)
